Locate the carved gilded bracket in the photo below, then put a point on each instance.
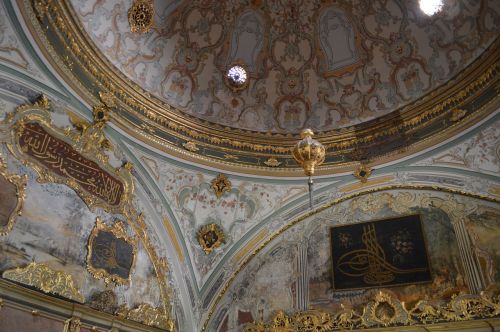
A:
(12, 197)
(75, 156)
(111, 253)
(46, 279)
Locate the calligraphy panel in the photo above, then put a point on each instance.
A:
(12, 188)
(62, 159)
(111, 254)
(379, 253)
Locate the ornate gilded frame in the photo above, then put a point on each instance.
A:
(118, 231)
(19, 181)
(87, 139)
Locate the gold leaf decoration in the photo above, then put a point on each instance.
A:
(220, 185)
(46, 279)
(272, 162)
(363, 172)
(210, 237)
(383, 311)
(19, 183)
(102, 272)
(146, 314)
(190, 146)
(140, 16)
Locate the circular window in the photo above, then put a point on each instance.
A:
(237, 77)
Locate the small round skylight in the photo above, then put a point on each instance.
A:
(237, 75)
(431, 7)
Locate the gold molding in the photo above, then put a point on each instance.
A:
(252, 148)
(383, 311)
(210, 237)
(86, 139)
(310, 213)
(46, 279)
(220, 185)
(118, 231)
(19, 181)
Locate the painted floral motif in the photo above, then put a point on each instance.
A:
(325, 65)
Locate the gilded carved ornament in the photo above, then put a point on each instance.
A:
(363, 172)
(41, 276)
(19, 182)
(72, 325)
(382, 311)
(210, 237)
(141, 16)
(74, 157)
(220, 185)
(109, 255)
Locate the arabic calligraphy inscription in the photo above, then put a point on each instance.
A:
(60, 158)
(379, 253)
(111, 254)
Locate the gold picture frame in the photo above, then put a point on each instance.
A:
(19, 182)
(86, 141)
(109, 254)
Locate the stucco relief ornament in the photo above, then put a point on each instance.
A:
(210, 237)
(220, 185)
(363, 172)
(140, 16)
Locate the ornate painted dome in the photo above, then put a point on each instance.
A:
(371, 78)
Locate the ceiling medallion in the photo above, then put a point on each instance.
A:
(140, 16)
(210, 237)
(220, 185)
(363, 172)
(236, 77)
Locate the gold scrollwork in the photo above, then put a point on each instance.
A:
(141, 16)
(190, 146)
(146, 314)
(46, 279)
(109, 254)
(210, 237)
(220, 185)
(19, 182)
(72, 325)
(272, 162)
(383, 311)
(109, 187)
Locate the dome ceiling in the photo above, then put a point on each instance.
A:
(323, 65)
(375, 80)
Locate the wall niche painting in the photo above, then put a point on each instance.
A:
(111, 253)
(379, 253)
